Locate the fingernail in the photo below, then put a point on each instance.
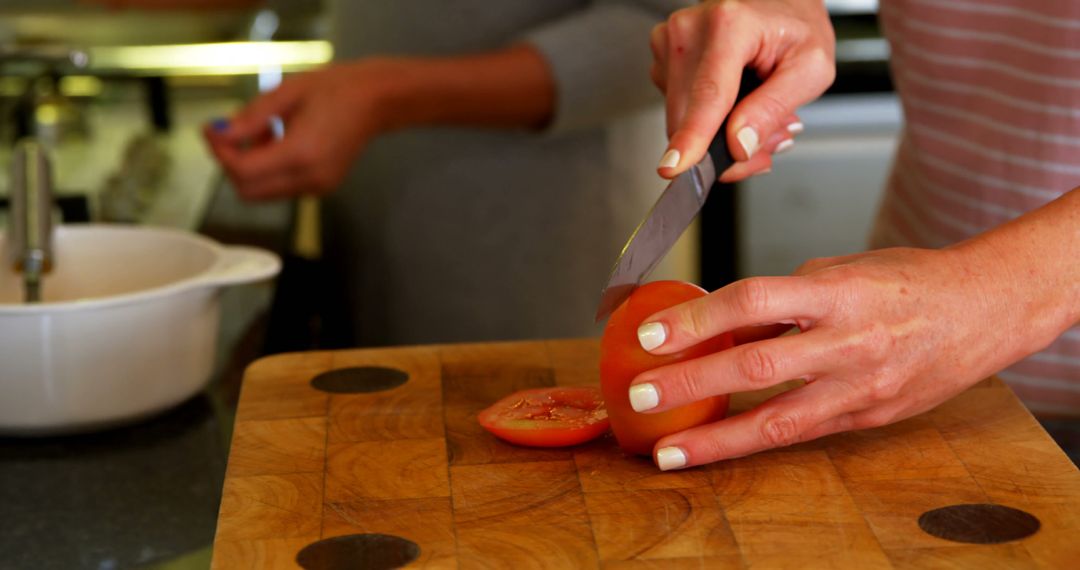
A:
(784, 146)
(670, 159)
(277, 127)
(796, 128)
(220, 125)
(748, 138)
(766, 171)
(651, 335)
(668, 458)
(643, 397)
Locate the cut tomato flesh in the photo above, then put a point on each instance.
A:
(547, 417)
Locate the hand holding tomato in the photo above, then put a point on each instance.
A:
(885, 335)
(622, 358)
(330, 115)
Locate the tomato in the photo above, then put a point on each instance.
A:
(622, 359)
(547, 417)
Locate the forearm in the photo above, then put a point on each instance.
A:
(510, 88)
(1031, 267)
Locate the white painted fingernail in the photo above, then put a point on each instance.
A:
(670, 159)
(796, 128)
(643, 397)
(668, 458)
(784, 146)
(651, 335)
(748, 138)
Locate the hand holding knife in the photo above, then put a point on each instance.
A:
(666, 221)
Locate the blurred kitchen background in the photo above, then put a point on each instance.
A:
(120, 97)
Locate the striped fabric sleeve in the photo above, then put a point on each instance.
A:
(991, 96)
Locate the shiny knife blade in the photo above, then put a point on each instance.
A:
(666, 221)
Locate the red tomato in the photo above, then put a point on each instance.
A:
(622, 359)
(547, 417)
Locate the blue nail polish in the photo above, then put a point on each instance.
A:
(277, 127)
(220, 125)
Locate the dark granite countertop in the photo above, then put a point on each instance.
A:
(142, 496)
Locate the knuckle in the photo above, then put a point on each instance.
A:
(681, 23)
(882, 389)
(711, 449)
(690, 380)
(721, 14)
(773, 110)
(780, 431)
(696, 324)
(822, 65)
(657, 35)
(658, 42)
(705, 89)
(813, 264)
(840, 284)
(756, 365)
(751, 296)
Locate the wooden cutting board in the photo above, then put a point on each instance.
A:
(411, 462)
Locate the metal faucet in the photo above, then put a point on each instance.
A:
(30, 224)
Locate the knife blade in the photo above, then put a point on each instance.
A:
(668, 218)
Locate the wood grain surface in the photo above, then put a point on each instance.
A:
(413, 462)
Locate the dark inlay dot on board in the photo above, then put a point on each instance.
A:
(979, 523)
(359, 379)
(352, 551)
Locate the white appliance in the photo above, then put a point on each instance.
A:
(821, 197)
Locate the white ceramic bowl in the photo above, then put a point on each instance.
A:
(127, 327)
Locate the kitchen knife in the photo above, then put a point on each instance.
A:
(666, 221)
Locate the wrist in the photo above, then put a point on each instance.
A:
(388, 87)
(1026, 287)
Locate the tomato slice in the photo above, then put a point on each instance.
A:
(548, 417)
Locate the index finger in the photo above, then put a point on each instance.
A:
(712, 93)
(749, 302)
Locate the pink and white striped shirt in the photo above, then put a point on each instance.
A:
(991, 97)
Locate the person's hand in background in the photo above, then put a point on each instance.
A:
(330, 115)
(885, 335)
(699, 57)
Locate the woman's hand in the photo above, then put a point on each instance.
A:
(885, 335)
(329, 116)
(699, 57)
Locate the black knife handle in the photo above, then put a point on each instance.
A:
(718, 149)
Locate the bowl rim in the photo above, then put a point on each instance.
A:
(141, 295)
